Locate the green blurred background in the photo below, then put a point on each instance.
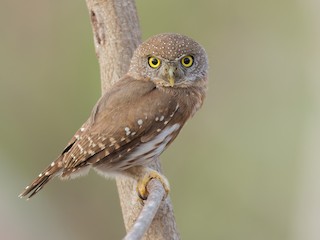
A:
(246, 167)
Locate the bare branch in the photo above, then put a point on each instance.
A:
(148, 212)
(163, 225)
(116, 34)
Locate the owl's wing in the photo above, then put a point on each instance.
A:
(132, 113)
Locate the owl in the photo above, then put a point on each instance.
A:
(138, 117)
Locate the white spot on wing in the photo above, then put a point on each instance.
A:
(91, 152)
(80, 148)
(140, 121)
(101, 146)
(127, 131)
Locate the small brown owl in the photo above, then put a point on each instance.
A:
(139, 116)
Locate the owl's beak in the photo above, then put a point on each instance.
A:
(171, 76)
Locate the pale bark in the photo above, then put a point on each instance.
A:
(116, 34)
(150, 208)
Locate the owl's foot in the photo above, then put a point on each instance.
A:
(143, 183)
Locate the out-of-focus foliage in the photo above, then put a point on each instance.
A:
(246, 167)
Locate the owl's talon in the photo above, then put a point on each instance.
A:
(143, 183)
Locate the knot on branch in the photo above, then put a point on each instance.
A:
(97, 28)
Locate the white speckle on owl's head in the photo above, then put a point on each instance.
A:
(169, 59)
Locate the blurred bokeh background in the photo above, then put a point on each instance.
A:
(246, 167)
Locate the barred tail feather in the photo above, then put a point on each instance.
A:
(41, 180)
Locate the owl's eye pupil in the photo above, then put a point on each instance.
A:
(186, 61)
(154, 61)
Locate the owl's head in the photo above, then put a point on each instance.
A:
(170, 60)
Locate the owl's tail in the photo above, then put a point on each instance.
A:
(44, 177)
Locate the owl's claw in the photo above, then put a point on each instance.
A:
(143, 183)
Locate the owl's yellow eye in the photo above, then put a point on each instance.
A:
(154, 62)
(187, 61)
